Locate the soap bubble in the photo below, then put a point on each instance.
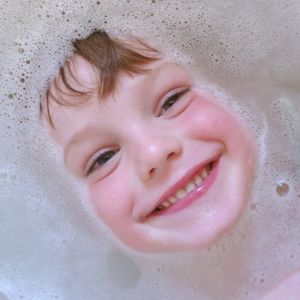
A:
(237, 49)
(282, 188)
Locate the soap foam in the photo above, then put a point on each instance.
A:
(52, 246)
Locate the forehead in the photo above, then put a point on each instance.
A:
(76, 75)
(83, 73)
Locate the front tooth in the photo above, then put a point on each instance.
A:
(173, 200)
(166, 204)
(197, 179)
(180, 194)
(190, 186)
(204, 173)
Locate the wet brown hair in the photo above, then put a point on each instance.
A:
(111, 56)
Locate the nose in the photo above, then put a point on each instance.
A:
(155, 153)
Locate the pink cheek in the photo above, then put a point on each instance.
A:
(205, 119)
(107, 197)
(208, 120)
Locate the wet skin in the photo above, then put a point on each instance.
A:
(148, 140)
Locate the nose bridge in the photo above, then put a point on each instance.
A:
(149, 138)
(154, 148)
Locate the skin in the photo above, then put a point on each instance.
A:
(154, 149)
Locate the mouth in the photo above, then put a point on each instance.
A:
(187, 190)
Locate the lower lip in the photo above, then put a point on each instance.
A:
(192, 196)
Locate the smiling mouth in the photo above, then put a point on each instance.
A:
(191, 189)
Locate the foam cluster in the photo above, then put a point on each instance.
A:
(246, 53)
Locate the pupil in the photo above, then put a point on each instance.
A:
(170, 102)
(106, 156)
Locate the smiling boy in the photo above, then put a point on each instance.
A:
(166, 166)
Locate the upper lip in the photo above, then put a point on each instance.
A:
(183, 181)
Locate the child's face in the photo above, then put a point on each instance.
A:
(151, 143)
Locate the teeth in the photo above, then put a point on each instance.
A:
(190, 186)
(180, 194)
(166, 204)
(204, 173)
(197, 179)
(173, 200)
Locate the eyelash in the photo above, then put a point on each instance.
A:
(171, 100)
(106, 156)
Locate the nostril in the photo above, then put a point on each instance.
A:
(171, 155)
(151, 171)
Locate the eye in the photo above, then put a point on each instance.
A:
(171, 100)
(101, 160)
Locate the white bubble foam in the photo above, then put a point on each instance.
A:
(245, 52)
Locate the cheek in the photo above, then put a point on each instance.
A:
(111, 199)
(207, 120)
